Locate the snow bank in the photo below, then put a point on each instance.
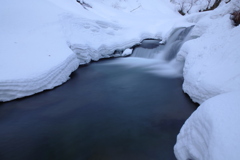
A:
(111, 27)
(212, 131)
(34, 54)
(17, 88)
(39, 38)
(211, 61)
(212, 79)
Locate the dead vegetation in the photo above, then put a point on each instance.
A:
(235, 17)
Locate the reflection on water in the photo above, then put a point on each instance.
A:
(106, 111)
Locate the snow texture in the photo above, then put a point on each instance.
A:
(212, 131)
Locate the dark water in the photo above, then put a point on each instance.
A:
(148, 48)
(105, 112)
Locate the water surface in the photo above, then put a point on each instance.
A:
(106, 111)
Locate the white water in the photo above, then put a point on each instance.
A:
(152, 49)
(159, 59)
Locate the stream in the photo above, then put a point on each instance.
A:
(114, 109)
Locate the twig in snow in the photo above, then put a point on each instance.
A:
(84, 4)
(136, 8)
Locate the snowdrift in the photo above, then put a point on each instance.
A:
(212, 132)
(211, 61)
(212, 79)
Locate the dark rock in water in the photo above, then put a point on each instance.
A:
(148, 48)
(150, 43)
(151, 48)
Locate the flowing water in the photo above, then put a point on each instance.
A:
(116, 109)
(152, 49)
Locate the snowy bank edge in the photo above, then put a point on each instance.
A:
(198, 53)
(86, 53)
(210, 133)
(13, 89)
(18, 88)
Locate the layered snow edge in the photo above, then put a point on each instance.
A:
(17, 88)
(86, 54)
(211, 132)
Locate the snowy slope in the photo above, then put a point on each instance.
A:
(42, 42)
(212, 131)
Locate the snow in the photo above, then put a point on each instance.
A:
(211, 61)
(43, 42)
(127, 52)
(116, 26)
(212, 132)
(194, 6)
(212, 78)
(33, 53)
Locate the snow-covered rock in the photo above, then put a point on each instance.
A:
(212, 131)
(127, 52)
